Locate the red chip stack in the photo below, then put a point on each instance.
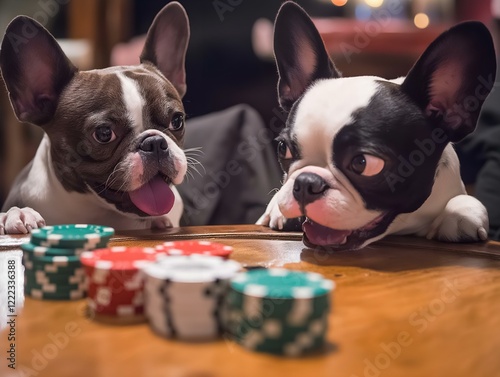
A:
(115, 281)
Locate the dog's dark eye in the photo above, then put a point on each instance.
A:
(104, 134)
(177, 122)
(367, 165)
(283, 151)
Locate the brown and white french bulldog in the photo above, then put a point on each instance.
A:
(112, 150)
(364, 157)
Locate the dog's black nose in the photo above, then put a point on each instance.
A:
(154, 144)
(308, 187)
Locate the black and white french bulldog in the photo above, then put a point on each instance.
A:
(365, 157)
(112, 149)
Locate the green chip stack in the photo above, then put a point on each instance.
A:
(279, 311)
(52, 259)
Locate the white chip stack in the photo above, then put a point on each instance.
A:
(184, 295)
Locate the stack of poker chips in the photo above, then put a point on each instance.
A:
(279, 311)
(52, 259)
(115, 282)
(185, 295)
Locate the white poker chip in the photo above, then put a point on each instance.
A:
(192, 269)
(184, 295)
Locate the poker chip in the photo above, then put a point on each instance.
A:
(184, 295)
(53, 270)
(56, 260)
(41, 251)
(281, 283)
(48, 287)
(76, 236)
(115, 281)
(195, 247)
(41, 295)
(119, 258)
(42, 277)
(279, 311)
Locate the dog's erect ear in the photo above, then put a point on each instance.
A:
(166, 44)
(35, 70)
(300, 54)
(453, 77)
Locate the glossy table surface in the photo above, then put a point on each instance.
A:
(402, 307)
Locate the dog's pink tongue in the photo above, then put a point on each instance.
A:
(322, 236)
(154, 198)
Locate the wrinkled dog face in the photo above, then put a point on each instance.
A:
(359, 151)
(117, 132)
(339, 157)
(133, 147)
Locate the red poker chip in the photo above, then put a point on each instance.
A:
(130, 279)
(107, 300)
(115, 281)
(115, 311)
(195, 247)
(118, 294)
(119, 258)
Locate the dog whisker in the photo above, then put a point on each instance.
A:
(195, 149)
(189, 175)
(114, 176)
(194, 162)
(193, 165)
(273, 191)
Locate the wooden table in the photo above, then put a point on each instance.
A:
(402, 307)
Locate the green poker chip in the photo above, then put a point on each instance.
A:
(283, 340)
(40, 251)
(279, 311)
(40, 277)
(58, 266)
(58, 260)
(53, 287)
(40, 295)
(281, 283)
(253, 309)
(53, 270)
(81, 236)
(49, 268)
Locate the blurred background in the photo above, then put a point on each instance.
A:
(230, 57)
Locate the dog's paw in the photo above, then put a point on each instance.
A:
(464, 219)
(161, 223)
(274, 219)
(20, 221)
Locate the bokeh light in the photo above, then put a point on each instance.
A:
(339, 3)
(421, 20)
(362, 12)
(374, 3)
